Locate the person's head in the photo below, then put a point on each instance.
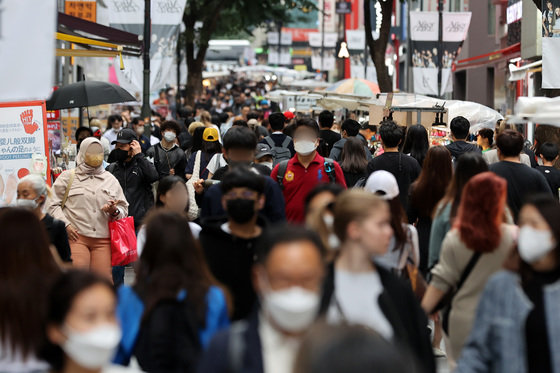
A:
(90, 157)
(549, 4)
(391, 134)
(205, 118)
(306, 136)
(263, 155)
(172, 194)
(197, 139)
(353, 157)
(350, 128)
(245, 110)
(557, 11)
(27, 268)
(81, 134)
(138, 126)
(123, 148)
(460, 127)
(170, 130)
(32, 193)
(242, 194)
(368, 131)
(485, 138)
(239, 146)
(114, 122)
(344, 348)
(193, 126)
(548, 152)
(277, 121)
(481, 212)
(210, 143)
(320, 196)
(416, 143)
(319, 212)
(539, 236)
(253, 123)
(510, 144)
(264, 104)
(81, 326)
(326, 119)
(364, 220)
(240, 123)
(288, 277)
(289, 115)
(162, 95)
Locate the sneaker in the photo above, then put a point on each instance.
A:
(439, 353)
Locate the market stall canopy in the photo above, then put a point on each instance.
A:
(335, 101)
(540, 110)
(355, 86)
(87, 93)
(310, 84)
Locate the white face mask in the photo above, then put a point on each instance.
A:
(140, 130)
(534, 244)
(92, 349)
(293, 309)
(267, 164)
(305, 147)
(169, 136)
(30, 204)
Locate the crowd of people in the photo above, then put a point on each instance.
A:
(269, 242)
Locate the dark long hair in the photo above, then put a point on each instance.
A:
(27, 269)
(353, 158)
(165, 185)
(172, 261)
(416, 143)
(211, 147)
(398, 219)
(197, 139)
(434, 179)
(61, 298)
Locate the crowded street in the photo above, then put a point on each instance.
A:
(305, 186)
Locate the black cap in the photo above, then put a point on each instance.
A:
(262, 150)
(125, 136)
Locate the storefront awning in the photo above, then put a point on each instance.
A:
(518, 73)
(488, 58)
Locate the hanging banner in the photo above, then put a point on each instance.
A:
(23, 145)
(323, 52)
(424, 34)
(166, 15)
(27, 45)
(282, 56)
(550, 44)
(359, 56)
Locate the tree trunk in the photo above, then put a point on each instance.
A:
(378, 47)
(194, 81)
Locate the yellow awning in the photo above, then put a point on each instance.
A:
(115, 50)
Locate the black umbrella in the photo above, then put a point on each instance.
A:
(87, 93)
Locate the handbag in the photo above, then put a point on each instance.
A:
(194, 211)
(123, 241)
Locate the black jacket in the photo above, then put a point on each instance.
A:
(136, 178)
(400, 307)
(164, 160)
(336, 151)
(58, 236)
(458, 148)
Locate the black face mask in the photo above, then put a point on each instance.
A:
(241, 210)
(120, 155)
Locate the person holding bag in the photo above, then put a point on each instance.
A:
(86, 199)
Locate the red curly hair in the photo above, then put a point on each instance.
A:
(481, 212)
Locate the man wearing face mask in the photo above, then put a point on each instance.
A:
(229, 243)
(287, 277)
(167, 156)
(138, 127)
(114, 125)
(298, 176)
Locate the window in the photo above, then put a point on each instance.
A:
(491, 18)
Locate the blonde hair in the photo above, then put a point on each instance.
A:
(193, 126)
(353, 205)
(206, 118)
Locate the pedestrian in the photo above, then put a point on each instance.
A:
(298, 176)
(460, 127)
(491, 156)
(288, 275)
(353, 161)
(522, 181)
(369, 133)
(95, 126)
(350, 128)
(549, 155)
(138, 127)
(485, 139)
(263, 156)
(471, 252)
(319, 215)
(86, 199)
(281, 145)
(229, 243)
(167, 156)
(175, 306)
(81, 328)
(516, 325)
(405, 168)
(467, 166)
(425, 194)
(198, 163)
(416, 143)
(197, 133)
(114, 125)
(327, 135)
(27, 269)
(80, 135)
(32, 193)
(357, 291)
(239, 150)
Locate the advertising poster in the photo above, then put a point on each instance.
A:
(284, 57)
(323, 52)
(23, 145)
(550, 43)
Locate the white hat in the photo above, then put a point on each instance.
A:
(383, 183)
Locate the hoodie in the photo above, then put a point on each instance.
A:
(460, 147)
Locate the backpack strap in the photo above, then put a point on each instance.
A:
(282, 168)
(236, 346)
(330, 170)
(270, 142)
(286, 142)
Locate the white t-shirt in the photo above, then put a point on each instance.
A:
(278, 350)
(111, 135)
(216, 162)
(141, 237)
(357, 296)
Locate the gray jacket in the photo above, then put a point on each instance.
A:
(497, 340)
(336, 151)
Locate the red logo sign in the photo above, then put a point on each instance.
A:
(29, 124)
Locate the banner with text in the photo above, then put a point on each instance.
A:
(424, 30)
(279, 49)
(361, 64)
(323, 51)
(550, 43)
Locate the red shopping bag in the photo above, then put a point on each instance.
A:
(123, 241)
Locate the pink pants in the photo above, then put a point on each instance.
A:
(92, 254)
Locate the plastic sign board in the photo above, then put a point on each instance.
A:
(343, 7)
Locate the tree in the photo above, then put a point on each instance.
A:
(378, 47)
(224, 17)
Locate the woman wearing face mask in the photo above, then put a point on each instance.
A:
(32, 194)
(82, 332)
(357, 291)
(200, 163)
(175, 306)
(86, 199)
(516, 326)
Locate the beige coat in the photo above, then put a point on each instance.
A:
(446, 274)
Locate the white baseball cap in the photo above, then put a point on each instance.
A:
(384, 184)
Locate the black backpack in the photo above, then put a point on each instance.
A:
(279, 153)
(329, 170)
